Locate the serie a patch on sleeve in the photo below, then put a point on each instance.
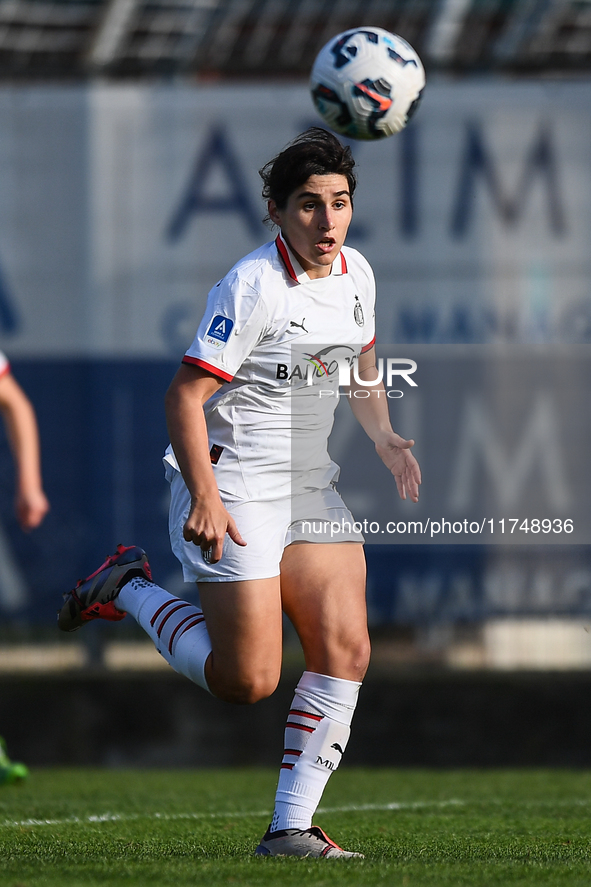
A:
(219, 331)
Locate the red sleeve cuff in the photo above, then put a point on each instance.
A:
(368, 346)
(215, 371)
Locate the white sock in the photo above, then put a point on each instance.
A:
(177, 627)
(316, 735)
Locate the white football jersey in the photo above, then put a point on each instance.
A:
(274, 335)
(4, 364)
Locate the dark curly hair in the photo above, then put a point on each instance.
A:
(315, 152)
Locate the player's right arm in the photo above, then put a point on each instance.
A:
(373, 415)
(208, 521)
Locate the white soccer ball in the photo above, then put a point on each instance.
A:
(367, 83)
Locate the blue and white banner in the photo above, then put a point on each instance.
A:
(120, 206)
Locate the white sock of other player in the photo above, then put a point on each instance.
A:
(316, 735)
(177, 627)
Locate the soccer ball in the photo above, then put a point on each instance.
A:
(367, 83)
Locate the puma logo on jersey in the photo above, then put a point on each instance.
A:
(299, 325)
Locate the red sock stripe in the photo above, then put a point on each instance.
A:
(305, 714)
(292, 751)
(300, 727)
(196, 621)
(174, 600)
(174, 610)
(286, 767)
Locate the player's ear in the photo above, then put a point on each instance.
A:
(274, 214)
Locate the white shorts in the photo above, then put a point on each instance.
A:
(267, 528)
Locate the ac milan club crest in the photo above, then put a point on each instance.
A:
(358, 312)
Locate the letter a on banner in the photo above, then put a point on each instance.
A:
(217, 151)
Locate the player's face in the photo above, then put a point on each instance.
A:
(315, 221)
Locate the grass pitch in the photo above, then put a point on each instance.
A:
(416, 827)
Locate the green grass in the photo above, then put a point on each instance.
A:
(137, 828)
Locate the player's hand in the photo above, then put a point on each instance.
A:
(395, 453)
(207, 526)
(30, 506)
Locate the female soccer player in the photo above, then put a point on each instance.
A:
(250, 476)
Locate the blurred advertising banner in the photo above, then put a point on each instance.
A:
(121, 206)
(455, 584)
(503, 435)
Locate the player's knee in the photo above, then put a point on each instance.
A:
(359, 654)
(250, 688)
(352, 658)
(346, 657)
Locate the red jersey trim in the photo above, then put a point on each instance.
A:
(368, 346)
(196, 361)
(5, 370)
(282, 249)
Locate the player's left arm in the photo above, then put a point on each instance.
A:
(373, 415)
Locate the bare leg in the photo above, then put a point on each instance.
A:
(232, 648)
(244, 623)
(323, 593)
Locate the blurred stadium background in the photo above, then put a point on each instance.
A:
(271, 39)
(131, 133)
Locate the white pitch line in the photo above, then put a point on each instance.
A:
(395, 805)
(170, 817)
